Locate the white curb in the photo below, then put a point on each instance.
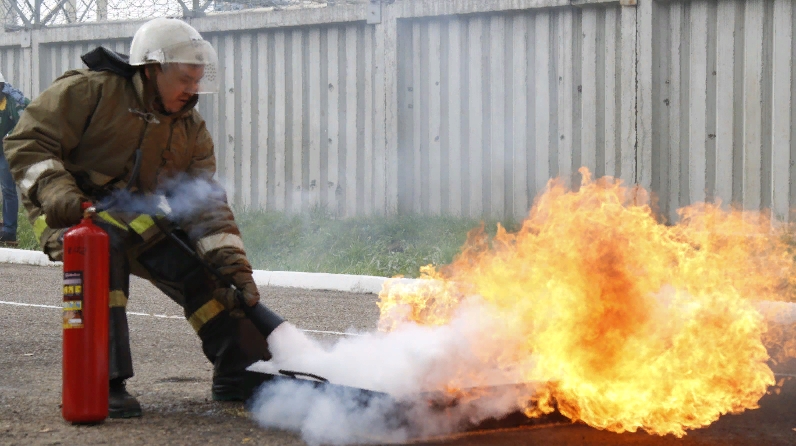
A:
(782, 312)
(25, 257)
(320, 281)
(311, 281)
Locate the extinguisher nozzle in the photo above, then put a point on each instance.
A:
(263, 318)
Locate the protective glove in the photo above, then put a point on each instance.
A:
(245, 283)
(233, 265)
(227, 298)
(63, 210)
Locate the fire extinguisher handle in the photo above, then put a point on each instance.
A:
(89, 212)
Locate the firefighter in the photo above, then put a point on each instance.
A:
(130, 124)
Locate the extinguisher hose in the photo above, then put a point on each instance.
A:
(261, 316)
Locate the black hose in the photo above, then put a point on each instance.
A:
(113, 200)
(261, 316)
(136, 169)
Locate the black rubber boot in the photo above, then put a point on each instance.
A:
(232, 344)
(229, 388)
(120, 403)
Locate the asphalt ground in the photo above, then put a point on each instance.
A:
(173, 378)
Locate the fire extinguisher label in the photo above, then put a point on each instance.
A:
(73, 299)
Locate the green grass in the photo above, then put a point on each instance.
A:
(318, 242)
(25, 236)
(378, 246)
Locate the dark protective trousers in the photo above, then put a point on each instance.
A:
(229, 340)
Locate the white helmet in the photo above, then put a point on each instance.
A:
(167, 41)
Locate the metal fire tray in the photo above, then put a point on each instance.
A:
(437, 401)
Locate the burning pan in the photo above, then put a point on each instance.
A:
(399, 409)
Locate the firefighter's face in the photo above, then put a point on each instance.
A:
(177, 84)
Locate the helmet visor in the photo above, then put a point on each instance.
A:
(193, 63)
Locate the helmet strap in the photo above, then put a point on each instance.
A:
(152, 87)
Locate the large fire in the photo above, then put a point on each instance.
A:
(631, 323)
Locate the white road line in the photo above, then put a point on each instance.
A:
(165, 316)
(20, 304)
(162, 316)
(330, 332)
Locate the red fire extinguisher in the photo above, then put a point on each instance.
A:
(85, 322)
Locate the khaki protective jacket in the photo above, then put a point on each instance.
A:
(80, 136)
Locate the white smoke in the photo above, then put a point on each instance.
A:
(190, 197)
(181, 199)
(404, 366)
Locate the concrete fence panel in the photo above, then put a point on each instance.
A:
(469, 107)
(491, 106)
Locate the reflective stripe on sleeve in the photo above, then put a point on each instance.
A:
(35, 171)
(218, 241)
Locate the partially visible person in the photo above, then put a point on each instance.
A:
(12, 103)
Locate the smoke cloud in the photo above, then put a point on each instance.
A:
(403, 371)
(187, 197)
(182, 198)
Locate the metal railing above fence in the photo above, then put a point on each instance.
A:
(24, 14)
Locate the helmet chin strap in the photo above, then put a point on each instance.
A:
(152, 83)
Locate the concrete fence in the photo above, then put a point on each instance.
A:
(468, 107)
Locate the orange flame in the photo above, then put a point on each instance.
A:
(632, 323)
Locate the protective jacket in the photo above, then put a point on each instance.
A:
(84, 137)
(79, 137)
